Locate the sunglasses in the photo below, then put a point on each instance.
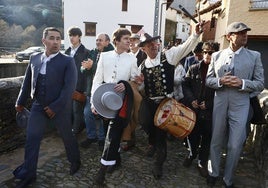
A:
(208, 52)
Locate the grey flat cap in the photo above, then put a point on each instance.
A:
(236, 27)
(135, 36)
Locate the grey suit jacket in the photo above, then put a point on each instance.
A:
(61, 78)
(247, 66)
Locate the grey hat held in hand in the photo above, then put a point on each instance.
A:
(22, 118)
(106, 101)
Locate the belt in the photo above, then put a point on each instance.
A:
(158, 99)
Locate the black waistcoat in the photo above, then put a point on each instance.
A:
(40, 90)
(159, 80)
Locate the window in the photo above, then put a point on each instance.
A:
(124, 5)
(90, 28)
(258, 4)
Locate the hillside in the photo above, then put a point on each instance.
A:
(22, 22)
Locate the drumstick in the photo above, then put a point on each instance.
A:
(188, 14)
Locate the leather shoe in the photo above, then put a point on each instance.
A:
(86, 143)
(157, 171)
(75, 167)
(112, 168)
(127, 145)
(202, 171)
(228, 186)
(150, 151)
(211, 181)
(100, 177)
(25, 182)
(187, 162)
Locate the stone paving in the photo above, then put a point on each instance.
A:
(135, 170)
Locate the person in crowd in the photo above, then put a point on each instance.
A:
(50, 80)
(80, 54)
(235, 73)
(117, 67)
(195, 58)
(135, 49)
(157, 75)
(179, 75)
(88, 68)
(200, 99)
(128, 137)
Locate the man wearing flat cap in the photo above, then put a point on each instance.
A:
(157, 74)
(236, 74)
(135, 48)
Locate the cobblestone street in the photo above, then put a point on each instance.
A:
(135, 170)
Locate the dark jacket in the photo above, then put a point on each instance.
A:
(141, 56)
(191, 60)
(61, 76)
(194, 88)
(89, 74)
(81, 54)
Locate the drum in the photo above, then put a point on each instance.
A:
(175, 118)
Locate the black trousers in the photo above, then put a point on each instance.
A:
(112, 142)
(156, 136)
(200, 139)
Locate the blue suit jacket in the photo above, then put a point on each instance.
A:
(189, 61)
(61, 78)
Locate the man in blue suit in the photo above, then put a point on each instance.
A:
(50, 81)
(197, 57)
(235, 73)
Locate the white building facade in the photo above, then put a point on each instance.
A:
(105, 16)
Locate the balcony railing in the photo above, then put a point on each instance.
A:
(258, 4)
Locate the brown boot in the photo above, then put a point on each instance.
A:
(100, 177)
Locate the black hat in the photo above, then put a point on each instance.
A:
(198, 48)
(147, 38)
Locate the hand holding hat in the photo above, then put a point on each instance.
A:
(22, 116)
(107, 101)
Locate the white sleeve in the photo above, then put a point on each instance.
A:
(98, 78)
(179, 74)
(176, 53)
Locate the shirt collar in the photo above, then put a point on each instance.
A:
(230, 51)
(152, 62)
(72, 48)
(46, 58)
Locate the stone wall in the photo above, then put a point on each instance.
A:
(11, 136)
(8, 70)
(260, 142)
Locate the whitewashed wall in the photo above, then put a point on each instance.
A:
(108, 14)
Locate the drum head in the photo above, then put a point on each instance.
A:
(163, 112)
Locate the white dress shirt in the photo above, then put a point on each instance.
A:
(113, 67)
(44, 60)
